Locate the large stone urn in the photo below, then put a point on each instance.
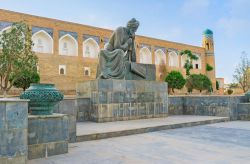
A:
(43, 98)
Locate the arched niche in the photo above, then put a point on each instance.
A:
(160, 57)
(68, 46)
(173, 60)
(145, 56)
(90, 48)
(43, 42)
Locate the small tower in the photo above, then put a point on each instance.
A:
(207, 41)
(208, 44)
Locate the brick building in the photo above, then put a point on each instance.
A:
(68, 52)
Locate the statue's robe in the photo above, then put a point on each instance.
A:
(112, 60)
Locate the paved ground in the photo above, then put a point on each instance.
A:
(215, 143)
(84, 128)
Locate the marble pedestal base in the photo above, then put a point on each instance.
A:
(116, 100)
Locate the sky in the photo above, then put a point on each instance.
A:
(173, 20)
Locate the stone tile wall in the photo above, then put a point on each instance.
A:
(47, 135)
(113, 100)
(13, 131)
(225, 106)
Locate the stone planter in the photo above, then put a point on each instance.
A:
(43, 98)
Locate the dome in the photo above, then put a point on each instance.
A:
(208, 32)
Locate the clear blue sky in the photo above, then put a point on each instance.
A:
(174, 20)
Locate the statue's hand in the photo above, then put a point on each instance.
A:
(129, 41)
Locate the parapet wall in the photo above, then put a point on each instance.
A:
(224, 106)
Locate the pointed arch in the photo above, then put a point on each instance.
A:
(90, 48)
(5, 29)
(160, 57)
(173, 60)
(145, 56)
(43, 42)
(68, 45)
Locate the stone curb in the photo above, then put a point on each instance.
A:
(98, 136)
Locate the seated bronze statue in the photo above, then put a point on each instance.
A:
(119, 50)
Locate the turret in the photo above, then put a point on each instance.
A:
(207, 41)
(208, 44)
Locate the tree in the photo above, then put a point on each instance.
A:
(217, 85)
(242, 72)
(175, 80)
(199, 81)
(16, 55)
(27, 77)
(189, 62)
(209, 67)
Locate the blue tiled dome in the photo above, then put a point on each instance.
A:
(208, 32)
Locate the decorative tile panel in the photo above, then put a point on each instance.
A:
(35, 29)
(161, 48)
(3, 25)
(73, 34)
(145, 45)
(96, 38)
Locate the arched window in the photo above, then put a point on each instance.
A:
(68, 45)
(86, 71)
(90, 48)
(43, 42)
(145, 56)
(62, 70)
(160, 57)
(173, 60)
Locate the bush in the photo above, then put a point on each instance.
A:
(175, 80)
(199, 81)
(26, 78)
(230, 91)
(209, 67)
(217, 85)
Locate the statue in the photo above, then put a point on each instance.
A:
(119, 51)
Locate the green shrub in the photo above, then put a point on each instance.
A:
(209, 67)
(199, 81)
(175, 80)
(230, 91)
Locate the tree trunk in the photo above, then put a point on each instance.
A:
(5, 94)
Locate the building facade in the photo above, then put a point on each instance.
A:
(68, 52)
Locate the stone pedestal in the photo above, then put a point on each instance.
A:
(243, 110)
(116, 100)
(13, 131)
(47, 135)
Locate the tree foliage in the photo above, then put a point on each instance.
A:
(175, 80)
(199, 81)
(209, 67)
(16, 55)
(217, 85)
(189, 62)
(242, 73)
(27, 77)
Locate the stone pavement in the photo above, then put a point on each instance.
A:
(227, 142)
(91, 130)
